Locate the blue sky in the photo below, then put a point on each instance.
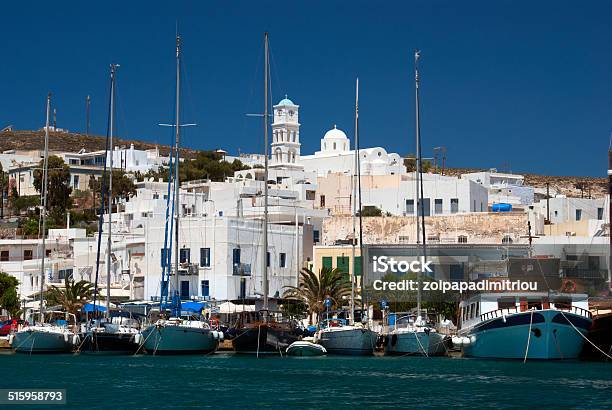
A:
(509, 84)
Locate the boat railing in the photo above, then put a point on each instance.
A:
(507, 311)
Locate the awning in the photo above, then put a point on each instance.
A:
(193, 306)
(89, 307)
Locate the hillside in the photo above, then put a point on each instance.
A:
(59, 141)
(70, 142)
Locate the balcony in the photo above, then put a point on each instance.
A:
(242, 269)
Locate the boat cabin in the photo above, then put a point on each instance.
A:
(487, 306)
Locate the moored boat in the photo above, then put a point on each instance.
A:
(339, 337)
(179, 336)
(305, 348)
(523, 325)
(410, 334)
(57, 337)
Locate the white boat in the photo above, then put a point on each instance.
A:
(46, 337)
(338, 337)
(523, 325)
(412, 335)
(305, 348)
(178, 336)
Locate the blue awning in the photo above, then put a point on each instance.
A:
(89, 307)
(193, 306)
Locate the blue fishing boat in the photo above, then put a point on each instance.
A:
(527, 325)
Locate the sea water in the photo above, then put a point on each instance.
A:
(224, 380)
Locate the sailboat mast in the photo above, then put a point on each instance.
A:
(265, 220)
(109, 244)
(176, 166)
(354, 199)
(43, 210)
(418, 168)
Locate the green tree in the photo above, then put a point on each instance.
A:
(72, 297)
(123, 186)
(371, 211)
(410, 164)
(8, 293)
(314, 289)
(59, 190)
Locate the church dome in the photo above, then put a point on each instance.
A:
(335, 134)
(286, 101)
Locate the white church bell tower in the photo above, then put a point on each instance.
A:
(285, 136)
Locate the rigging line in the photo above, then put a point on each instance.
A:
(584, 337)
(528, 337)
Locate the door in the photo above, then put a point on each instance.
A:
(184, 289)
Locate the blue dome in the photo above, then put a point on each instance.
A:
(286, 101)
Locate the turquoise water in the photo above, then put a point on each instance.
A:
(228, 381)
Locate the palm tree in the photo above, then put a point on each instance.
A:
(314, 289)
(72, 297)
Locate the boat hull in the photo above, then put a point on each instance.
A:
(110, 343)
(263, 339)
(302, 348)
(349, 341)
(176, 339)
(35, 341)
(552, 336)
(415, 343)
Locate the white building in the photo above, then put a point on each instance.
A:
(395, 194)
(503, 187)
(336, 156)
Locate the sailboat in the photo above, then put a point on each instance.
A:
(44, 337)
(264, 332)
(414, 334)
(110, 334)
(175, 334)
(337, 335)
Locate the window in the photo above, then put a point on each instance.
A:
(27, 255)
(4, 256)
(342, 263)
(327, 262)
(75, 181)
(578, 214)
(236, 256)
(205, 257)
(409, 206)
(310, 195)
(438, 206)
(185, 255)
(506, 240)
(316, 236)
(283, 260)
(474, 209)
(268, 259)
(205, 288)
(600, 213)
(322, 201)
(426, 211)
(184, 289)
(357, 266)
(454, 205)
(462, 239)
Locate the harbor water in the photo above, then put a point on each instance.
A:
(224, 380)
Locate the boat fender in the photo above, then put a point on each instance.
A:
(215, 335)
(457, 341)
(469, 340)
(137, 338)
(66, 337)
(393, 340)
(11, 338)
(221, 335)
(504, 318)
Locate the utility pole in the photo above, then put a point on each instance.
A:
(87, 123)
(548, 202)
(55, 120)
